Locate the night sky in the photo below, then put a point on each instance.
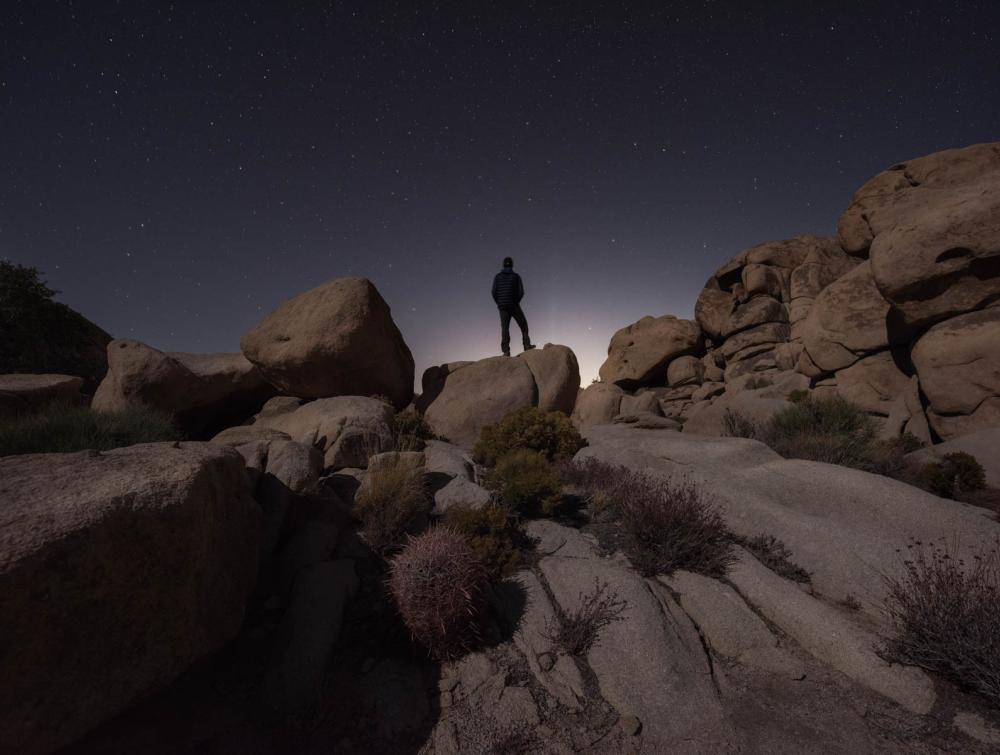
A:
(179, 169)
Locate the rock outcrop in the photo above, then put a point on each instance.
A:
(204, 392)
(895, 314)
(117, 571)
(639, 353)
(482, 393)
(338, 339)
(346, 429)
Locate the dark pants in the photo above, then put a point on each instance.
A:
(522, 323)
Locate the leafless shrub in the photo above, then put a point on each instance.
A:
(577, 631)
(669, 523)
(739, 425)
(945, 615)
(776, 556)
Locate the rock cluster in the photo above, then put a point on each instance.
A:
(898, 314)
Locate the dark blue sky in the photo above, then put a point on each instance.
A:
(179, 169)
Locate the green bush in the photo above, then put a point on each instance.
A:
(831, 429)
(798, 396)
(956, 471)
(491, 536)
(549, 433)
(526, 482)
(410, 431)
(62, 428)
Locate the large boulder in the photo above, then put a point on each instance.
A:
(484, 392)
(958, 363)
(204, 392)
(20, 393)
(639, 353)
(557, 376)
(481, 394)
(347, 429)
(874, 383)
(337, 339)
(931, 227)
(118, 570)
(598, 404)
(847, 320)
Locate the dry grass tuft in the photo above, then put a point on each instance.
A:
(577, 631)
(391, 503)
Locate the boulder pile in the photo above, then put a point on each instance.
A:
(898, 314)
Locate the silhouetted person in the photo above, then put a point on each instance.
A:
(507, 293)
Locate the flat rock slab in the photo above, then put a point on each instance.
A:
(650, 664)
(729, 625)
(830, 636)
(842, 525)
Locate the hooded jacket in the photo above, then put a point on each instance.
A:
(507, 289)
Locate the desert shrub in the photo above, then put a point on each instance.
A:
(526, 482)
(671, 525)
(439, 587)
(668, 524)
(61, 428)
(799, 395)
(776, 556)
(576, 631)
(832, 430)
(956, 472)
(944, 613)
(410, 430)
(738, 425)
(391, 503)
(490, 534)
(549, 433)
(907, 442)
(41, 335)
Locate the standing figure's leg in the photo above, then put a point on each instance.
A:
(505, 332)
(522, 323)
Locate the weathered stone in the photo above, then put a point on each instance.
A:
(199, 390)
(639, 353)
(347, 429)
(687, 370)
(847, 321)
(932, 225)
(557, 376)
(958, 364)
(598, 404)
(873, 383)
(143, 556)
(830, 636)
(712, 309)
(731, 628)
(480, 394)
(460, 493)
(243, 434)
(769, 333)
(651, 664)
(758, 311)
(337, 339)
